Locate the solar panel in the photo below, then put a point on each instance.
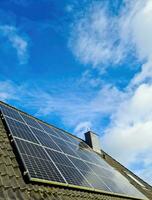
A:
(95, 181)
(38, 162)
(53, 156)
(64, 136)
(44, 139)
(64, 146)
(59, 158)
(11, 113)
(31, 122)
(89, 174)
(42, 169)
(48, 129)
(20, 130)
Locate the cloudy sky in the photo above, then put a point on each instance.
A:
(81, 65)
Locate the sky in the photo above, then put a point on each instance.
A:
(83, 65)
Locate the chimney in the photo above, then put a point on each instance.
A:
(93, 140)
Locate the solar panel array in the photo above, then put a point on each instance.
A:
(51, 155)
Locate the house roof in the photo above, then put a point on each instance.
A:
(13, 185)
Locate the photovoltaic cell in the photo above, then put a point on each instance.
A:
(31, 149)
(88, 172)
(11, 113)
(62, 135)
(100, 171)
(112, 185)
(83, 155)
(79, 163)
(59, 158)
(49, 143)
(72, 140)
(73, 176)
(30, 121)
(40, 133)
(64, 146)
(95, 181)
(20, 130)
(42, 169)
(96, 159)
(50, 154)
(48, 129)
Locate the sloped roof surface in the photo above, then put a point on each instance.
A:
(13, 185)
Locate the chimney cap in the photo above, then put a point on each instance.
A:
(91, 132)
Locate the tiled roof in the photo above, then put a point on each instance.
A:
(13, 186)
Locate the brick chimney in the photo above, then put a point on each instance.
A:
(93, 140)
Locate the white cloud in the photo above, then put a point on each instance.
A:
(82, 128)
(88, 79)
(78, 107)
(144, 75)
(136, 26)
(130, 133)
(95, 37)
(18, 42)
(77, 110)
(9, 91)
(99, 38)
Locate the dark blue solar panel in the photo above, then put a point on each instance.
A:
(20, 130)
(64, 136)
(50, 154)
(11, 113)
(31, 122)
(64, 146)
(73, 176)
(48, 129)
(42, 169)
(59, 158)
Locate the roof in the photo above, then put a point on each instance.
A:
(14, 186)
(140, 184)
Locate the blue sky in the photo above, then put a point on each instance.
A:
(83, 65)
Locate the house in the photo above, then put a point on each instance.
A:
(41, 162)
